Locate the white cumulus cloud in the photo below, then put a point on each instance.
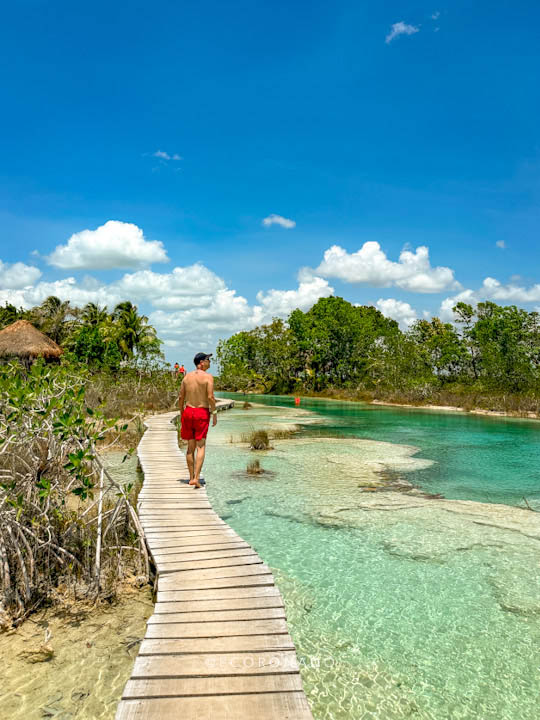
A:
(274, 219)
(17, 275)
(66, 289)
(491, 289)
(280, 303)
(201, 324)
(398, 310)
(370, 266)
(112, 245)
(400, 28)
(182, 288)
(500, 244)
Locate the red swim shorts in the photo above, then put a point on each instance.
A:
(195, 423)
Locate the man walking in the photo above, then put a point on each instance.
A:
(196, 401)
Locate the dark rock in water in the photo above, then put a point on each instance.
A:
(236, 502)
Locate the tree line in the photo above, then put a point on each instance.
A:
(336, 345)
(92, 335)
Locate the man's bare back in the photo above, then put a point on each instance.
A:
(197, 390)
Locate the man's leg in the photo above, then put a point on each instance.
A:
(190, 458)
(199, 460)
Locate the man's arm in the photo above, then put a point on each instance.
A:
(212, 399)
(182, 397)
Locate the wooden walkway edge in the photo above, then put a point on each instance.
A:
(217, 646)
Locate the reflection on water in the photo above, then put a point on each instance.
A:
(399, 606)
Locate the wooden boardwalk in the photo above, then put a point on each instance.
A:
(217, 645)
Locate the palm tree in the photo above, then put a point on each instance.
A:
(122, 309)
(135, 334)
(93, 316)
(8, 315)
(51, 317)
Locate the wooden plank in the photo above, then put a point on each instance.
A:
(264, 706)
(198, 512)
(193, 538)
(176, 515)
(217, 616)
(236, 604)
(168, 583)
(214, 664)
(165, 548)
(168, 497)
(168, 565)
(237, 643)
(193, 504)
(197, 531)
(194, 531)
(181, 556)
(256, 590)
(173, 687)
(180, 504)
(183, 576)
(158, 496)
(216, 629)
(170, 488)
(195, 515)
(156, 524)
(195, 544)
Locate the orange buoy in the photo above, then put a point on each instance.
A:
(297, 401)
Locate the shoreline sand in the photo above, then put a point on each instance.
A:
(439, 408)
(455, 408)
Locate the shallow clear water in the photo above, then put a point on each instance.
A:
(399, 606)
(474, 457)
(93, 655)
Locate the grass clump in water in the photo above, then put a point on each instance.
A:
(259, 440)
(247, 405)
(254, 468)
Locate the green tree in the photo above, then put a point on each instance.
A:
(334, 339)
(93, 315)
(134, 333)
(508, 344)
(54, 317)
(8, 315)
(440, 347)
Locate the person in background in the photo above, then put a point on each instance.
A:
(196, 402)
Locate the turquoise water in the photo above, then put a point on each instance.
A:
(475, 458)
(399, 606)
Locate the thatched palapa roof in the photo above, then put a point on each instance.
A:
(22, 339)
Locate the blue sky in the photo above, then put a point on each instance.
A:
(186, 124)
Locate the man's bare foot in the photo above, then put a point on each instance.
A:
(195, 483)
